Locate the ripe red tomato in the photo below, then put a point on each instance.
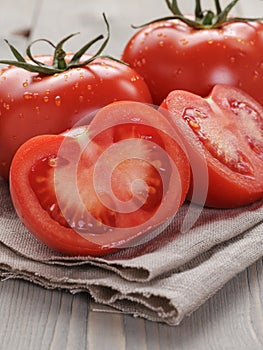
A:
(226, 130)
(95, 189)
(34, 103)
(171, 55)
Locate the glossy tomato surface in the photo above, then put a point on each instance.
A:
(96, 189)
(32, 104)
(172, 55)
(223, 132)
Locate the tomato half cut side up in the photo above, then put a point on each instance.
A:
(98, 188)
(227, 127)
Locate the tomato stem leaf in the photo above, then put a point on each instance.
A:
(59, 63)
(198, 10)
(203, 19)
(218, 7)
(17, 55)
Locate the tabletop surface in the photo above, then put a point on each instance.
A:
(36, 318)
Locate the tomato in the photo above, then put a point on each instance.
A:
(34, 103)
(173, 54)
(98, 188)
(226, 130)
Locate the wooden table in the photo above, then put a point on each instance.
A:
(35, 318)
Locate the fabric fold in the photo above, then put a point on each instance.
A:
(161, 280)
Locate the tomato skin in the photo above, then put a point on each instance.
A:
(171, 55)
(87, 145)
(31, 104)
(222, 140)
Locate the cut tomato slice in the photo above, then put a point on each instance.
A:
(223, 132)
(95, 189)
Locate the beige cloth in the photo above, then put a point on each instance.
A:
(162, 280)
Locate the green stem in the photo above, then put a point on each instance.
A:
(203, 19)
(59, 62)
(208, 18)
(198, 10)
(218, 7)
(173, 6)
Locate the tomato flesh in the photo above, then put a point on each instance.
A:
(225, 130)
(222, 145)
(96, 189)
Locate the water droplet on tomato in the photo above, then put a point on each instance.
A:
(37, 78)
(25, 83)
(89, 87)
(52, 207)
(58, 101)
(178, 71)
(6, 106)
(255, 74)
(28, 95)
(45, 98)
(232, 59)
(161, 43)
(184, 41)
(75, 86)
(141, 62)
(81, 98)
(52, 161)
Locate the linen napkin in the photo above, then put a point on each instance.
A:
(163, 279)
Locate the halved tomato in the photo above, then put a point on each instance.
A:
(223, 133)
(95, 189)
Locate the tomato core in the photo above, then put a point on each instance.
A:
(80, 195)
(219, 142)
(252, 124)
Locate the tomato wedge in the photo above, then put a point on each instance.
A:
(98, 188)
(226, 130)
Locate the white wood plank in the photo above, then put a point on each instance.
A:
(17, 18)
(47, 319)
(35, 318)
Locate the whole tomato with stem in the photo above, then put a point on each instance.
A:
(197, 52)
(49, 94)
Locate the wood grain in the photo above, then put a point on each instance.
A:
(36, 318)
